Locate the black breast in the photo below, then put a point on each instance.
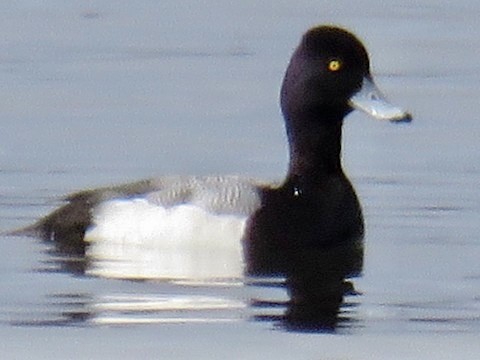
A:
(298, 223)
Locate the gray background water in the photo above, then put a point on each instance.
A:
(99, 92)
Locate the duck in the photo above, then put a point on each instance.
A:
(228, 227)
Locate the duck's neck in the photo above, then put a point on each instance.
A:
(315, 146)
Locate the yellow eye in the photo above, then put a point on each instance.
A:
(335, 65)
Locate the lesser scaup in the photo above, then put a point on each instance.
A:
(224, 227)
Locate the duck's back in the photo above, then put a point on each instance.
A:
(168, 227)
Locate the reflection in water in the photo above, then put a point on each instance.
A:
(131, 309)
(309, 298)
(317, 287)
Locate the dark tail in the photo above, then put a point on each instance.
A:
(34, 230)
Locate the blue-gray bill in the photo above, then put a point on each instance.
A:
(370, 100)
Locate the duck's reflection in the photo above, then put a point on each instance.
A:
(317, 287)
(316, 296)
(310, 297)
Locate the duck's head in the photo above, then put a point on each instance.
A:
(329, 76)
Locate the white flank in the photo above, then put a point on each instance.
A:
(135, 239)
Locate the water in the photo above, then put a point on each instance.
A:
(101, 92)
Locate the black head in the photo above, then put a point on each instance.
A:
(329, 75)
(327, 68)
